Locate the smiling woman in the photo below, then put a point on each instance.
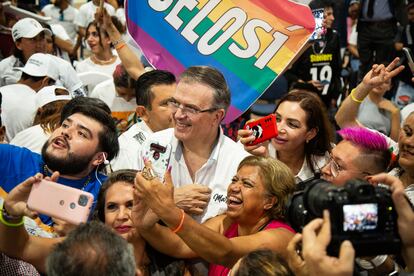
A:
(254, 218)
(102, 60)
(304, 137)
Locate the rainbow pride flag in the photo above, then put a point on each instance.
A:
(250, 41)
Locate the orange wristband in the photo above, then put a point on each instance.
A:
(120, 46)
(180, 225)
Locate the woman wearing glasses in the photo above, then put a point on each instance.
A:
(304, 139)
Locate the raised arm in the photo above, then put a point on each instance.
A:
(378, 75)
(14, 240)
(129, 60)
(206, 240)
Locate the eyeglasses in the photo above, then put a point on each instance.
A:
(187, 110)
(336, 168)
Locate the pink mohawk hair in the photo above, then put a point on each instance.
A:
(364, 138)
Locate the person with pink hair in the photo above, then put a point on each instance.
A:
(362, 152)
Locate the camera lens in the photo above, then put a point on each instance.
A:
(72, 205)
(83, 200)
(318, 196)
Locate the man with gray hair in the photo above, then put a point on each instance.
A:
(202, 156)
(91, 249)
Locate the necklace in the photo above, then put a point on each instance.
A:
(102, 62)
(88, 180)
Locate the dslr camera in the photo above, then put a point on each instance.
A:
(359, 212)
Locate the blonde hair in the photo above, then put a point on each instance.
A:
(277, 179)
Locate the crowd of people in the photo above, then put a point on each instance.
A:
(81, 106)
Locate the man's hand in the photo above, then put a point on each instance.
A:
(16, 201)
(316, 238)
(192, 198)
(317, 84)
(294, 258)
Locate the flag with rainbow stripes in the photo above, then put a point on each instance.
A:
(250, 41)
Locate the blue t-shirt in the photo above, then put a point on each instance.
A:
(17, 164)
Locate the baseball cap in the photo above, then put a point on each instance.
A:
(41, 65)
(48, 94)
(27, 28)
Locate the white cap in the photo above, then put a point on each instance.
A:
(41, 65)
(48, 94)
(28, 28)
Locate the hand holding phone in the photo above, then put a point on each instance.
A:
(159, 155)
(60, 201)
(263, 129)
(320, 30)
(409, 56)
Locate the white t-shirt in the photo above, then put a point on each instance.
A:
(60, 32)
(353, 38)
(305, 172)
(216, 173)
(130, 142)
(87, 13)
(32, 138)
(66, 20)
(67, 75)
(7, 73)
(18, 108)
(88, 65)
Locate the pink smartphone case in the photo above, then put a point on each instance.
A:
(59, 201)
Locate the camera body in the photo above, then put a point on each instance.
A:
(263, 129)
(359, 212)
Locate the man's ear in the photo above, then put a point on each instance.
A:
(220, 115)
(17, 44)
(99, 158)
(2, 133)
(142, 112)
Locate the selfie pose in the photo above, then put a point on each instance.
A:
(254, 219)
(303, 140)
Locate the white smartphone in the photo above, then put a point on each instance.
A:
(409, 55)
(320, 30)
(159, 154)
(60, 201)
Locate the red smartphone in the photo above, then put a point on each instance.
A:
(263, 129)
(60, 201)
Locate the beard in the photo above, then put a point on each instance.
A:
(72, 164)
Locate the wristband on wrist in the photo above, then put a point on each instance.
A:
(5, 219)
(180, 225)
(354, 98)
(116, 42)
(120, 46)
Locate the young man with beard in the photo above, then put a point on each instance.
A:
(86, 138)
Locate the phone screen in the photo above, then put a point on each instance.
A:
(320, 30)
